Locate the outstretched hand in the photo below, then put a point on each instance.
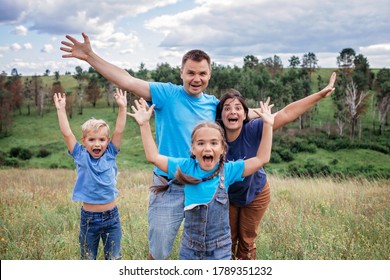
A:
(266, 114)
(142, 113)
(75, 48)
(265, 107)
(326, 91)
(59, 100)
(120, 98)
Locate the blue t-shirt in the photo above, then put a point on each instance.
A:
(176, 114)
(244, 147)
(203, 192)
(96, 178)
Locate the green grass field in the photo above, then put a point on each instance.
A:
(311, 219)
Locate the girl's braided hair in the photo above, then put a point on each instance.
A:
(182, 178)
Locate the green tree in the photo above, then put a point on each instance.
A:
(81, 77)
(142, 73)
(356, 102)
(309, 63)
(15, 87)
(165, 73)
(345, 60)
(294, 62)
(251, 62)
(92, 91)
(224, 77)
(273, 65)
(362, 75)
(5, 107)
(382, 86)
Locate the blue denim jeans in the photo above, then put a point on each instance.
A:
(105, 225)
(165, 215)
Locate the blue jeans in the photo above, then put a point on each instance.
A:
(105, 225)
(165, 215)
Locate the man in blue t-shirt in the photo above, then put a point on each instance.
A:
(178, 108)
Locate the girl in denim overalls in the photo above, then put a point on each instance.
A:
(206, 177)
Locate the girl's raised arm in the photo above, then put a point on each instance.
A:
(264, 152)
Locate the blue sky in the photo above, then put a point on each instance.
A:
(128, 33)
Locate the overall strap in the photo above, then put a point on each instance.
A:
(222, 178)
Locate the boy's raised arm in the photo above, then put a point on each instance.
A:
(121, 100)
(60, 103)
(142, 115)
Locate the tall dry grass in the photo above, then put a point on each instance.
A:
(307, 218)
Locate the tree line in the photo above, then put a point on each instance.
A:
(356, 85)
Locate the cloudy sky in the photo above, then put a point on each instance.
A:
(130, 32)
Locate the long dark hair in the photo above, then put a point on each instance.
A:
(182, 178)
(234, 94)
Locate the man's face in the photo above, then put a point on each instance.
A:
(195, 76)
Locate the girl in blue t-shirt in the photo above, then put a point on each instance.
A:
(206, 177)
(95, 160)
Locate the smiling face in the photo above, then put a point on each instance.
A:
(208, 147)
(96, 141)
(233, 115)
(195, 76)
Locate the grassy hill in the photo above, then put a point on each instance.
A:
(42, 138)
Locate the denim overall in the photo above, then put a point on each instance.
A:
(206, 234)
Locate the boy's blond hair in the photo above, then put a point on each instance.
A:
(94, 125)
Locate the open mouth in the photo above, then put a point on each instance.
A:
(96, 151)
(196, 86)
(208, 159)
(232, 120)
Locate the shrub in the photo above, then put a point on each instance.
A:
(296, 170)
(53, 166)
(286, 155)
(298, 145)
(315, 168)
(2, 158)
(14, 152)
(275, 157)
(43, 152)
(11, 162)
(25, 154)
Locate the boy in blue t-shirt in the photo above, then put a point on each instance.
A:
(95, 187)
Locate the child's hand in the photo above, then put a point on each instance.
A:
(265, 114)
(59, 100)
(120, 98)
(142, 113)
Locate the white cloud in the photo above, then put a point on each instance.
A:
(125, 51)
(27, 46)
(21, 30)
(15, 47)
(47, 48)
(376, 49)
